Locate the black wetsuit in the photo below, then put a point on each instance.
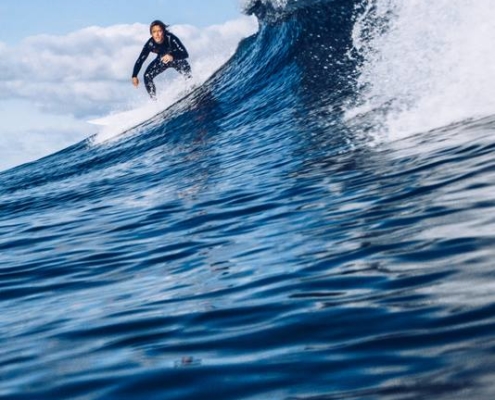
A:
(170, 45)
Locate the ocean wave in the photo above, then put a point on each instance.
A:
(254, 240)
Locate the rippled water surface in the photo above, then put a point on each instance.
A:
(249, 243)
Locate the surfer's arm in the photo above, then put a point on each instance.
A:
(178, 50)
(167, 58)
(139, 62)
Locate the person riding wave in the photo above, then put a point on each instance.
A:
(170, 52)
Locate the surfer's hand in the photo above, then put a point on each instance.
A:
(135, 81)
(167, 58)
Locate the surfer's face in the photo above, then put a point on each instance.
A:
(157, 33)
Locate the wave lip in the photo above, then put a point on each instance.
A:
(424, 67)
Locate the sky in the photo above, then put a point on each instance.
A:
(65, 63)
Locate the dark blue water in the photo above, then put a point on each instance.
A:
(250, 243)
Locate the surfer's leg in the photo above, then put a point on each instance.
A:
(156, 67)
(183, 67)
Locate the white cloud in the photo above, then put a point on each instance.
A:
(88, 72)
(17, 149)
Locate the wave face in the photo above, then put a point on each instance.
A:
(314, 222)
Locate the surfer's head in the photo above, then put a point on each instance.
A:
(159, 23)
(157, 30)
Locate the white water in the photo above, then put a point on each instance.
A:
(142, 110)
(434, 65)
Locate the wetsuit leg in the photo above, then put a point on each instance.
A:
(155, 68)
(183, 67)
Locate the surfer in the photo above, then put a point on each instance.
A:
(170, 52)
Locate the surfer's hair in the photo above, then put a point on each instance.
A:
(159, 23)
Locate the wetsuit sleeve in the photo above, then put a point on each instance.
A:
(142, 57)
(178, 51)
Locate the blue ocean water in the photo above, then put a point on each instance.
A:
(285, 231)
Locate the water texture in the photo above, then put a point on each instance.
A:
(311, 223)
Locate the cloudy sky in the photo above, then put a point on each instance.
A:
(64, 63)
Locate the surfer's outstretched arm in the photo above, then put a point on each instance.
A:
(139, 63)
